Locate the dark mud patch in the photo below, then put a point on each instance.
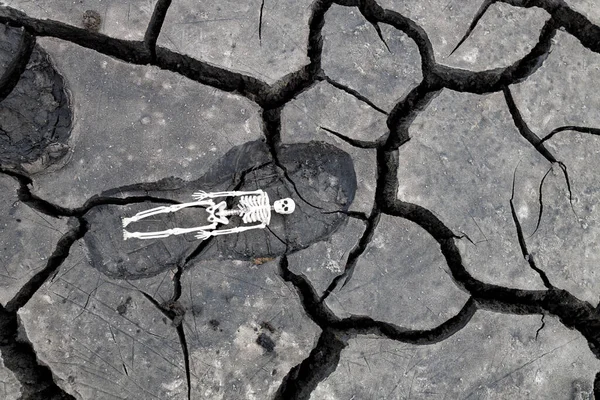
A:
(36, 117)
(320, 178)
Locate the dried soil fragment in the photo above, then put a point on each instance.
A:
(91, 20)
(36, 117)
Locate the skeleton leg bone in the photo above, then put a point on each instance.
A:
(206, 234)
(166, 233)
(164, 210)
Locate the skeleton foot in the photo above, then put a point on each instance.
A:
(127, 221)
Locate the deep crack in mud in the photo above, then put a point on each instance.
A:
(301, 380)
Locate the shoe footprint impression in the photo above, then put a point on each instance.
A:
(243, 208)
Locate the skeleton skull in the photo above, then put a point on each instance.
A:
(284, 206)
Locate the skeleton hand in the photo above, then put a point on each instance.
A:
(200, 195)
(203, 235)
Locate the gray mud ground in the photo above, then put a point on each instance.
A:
(443, 156)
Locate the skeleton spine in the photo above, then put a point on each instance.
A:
(239, 211)
(227, 213)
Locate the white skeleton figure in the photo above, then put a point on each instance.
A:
(253, 207)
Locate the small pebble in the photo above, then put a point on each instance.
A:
(91, 20)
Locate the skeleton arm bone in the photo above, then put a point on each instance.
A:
(206, 234)
(203, 195)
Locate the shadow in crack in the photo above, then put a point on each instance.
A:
(323, 175)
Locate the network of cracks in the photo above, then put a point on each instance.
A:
(301, 380)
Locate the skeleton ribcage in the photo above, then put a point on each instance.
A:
(255, 208)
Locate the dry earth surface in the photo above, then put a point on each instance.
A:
(443, 156)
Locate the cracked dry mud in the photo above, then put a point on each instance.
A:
(445, 244)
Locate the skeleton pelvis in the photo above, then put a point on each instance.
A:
(215, 213)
